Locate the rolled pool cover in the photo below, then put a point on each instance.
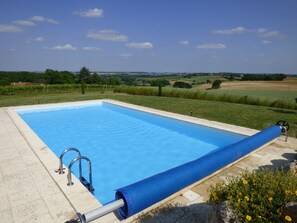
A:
(149, 191)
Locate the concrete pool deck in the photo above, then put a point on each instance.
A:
(31, 190)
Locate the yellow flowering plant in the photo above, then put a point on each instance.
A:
(258, 196)
(288, 218)
(248, 217)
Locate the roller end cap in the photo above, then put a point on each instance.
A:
(284, 125)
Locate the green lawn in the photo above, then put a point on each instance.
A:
(271, 95)
(255, 117)
(250, 116)
(49, 98)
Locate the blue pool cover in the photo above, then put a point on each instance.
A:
(149, 191)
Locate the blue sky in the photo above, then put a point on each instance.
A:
(258, 36)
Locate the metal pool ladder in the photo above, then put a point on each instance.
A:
(79, 157)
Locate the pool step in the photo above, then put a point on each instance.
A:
(87, 184)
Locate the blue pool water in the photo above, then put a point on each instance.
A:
(124, 145)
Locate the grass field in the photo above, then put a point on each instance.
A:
(271, 95)
(255, 117)
(285, 90)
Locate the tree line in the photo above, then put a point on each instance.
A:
(51, 76)
(56, 77)
(23, 76)
(263, 77)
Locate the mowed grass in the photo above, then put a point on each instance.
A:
(270, 95)
(256, 117)
(50, 98)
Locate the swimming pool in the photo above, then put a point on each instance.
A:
(124, 145)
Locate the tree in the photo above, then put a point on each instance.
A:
(216, 84)
(181, 84)
(95, 79)
(56, 77)
(160, 91)
(113, 81)
(68, 78)
(53, 77)
(264, 77)
(128, 80)
(159, 82)
(83, 76)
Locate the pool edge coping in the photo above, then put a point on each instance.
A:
(78, 194)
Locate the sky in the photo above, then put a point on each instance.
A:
(245, 36)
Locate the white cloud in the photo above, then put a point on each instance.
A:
(10, 29)
(90, 48)
(39, 39)
(12, 50)
(237, 30)
(24, 23)
(211, 46)
(262, 32)
(266, 42)
(37, 18)
(268, 33)
(145, 45)
(125, 55)
(52, 21)
(42, 19)
(65, 47)
(107, 35)
(184, 42)
(91, 13)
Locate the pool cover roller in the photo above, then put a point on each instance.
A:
(149, 191)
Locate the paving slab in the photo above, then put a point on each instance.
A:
(23, 190)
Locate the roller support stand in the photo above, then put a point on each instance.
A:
(284, 127)
(99, 212)
(81, 218)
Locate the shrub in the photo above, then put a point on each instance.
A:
(258, 196)
(148, 91)
(216, 84)
(181, 84)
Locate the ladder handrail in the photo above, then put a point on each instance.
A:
(69, 177)
(60, 170)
